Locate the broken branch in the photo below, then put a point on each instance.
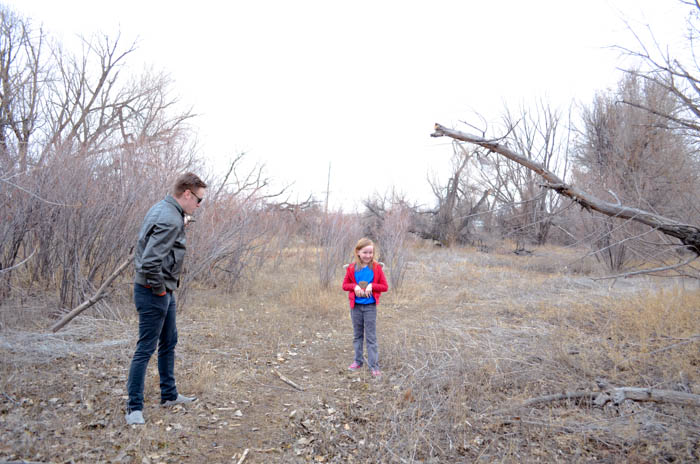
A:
(93, 299)
(286, 380)
(688, 234)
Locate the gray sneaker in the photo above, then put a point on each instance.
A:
(181, 399)
(135, 418)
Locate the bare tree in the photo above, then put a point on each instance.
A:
(675, 75)
(630, 155)
(511, 195)
(446, 224)
(22, 74)
(540, 135)
(457, 203)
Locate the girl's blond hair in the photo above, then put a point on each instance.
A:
(363, 242)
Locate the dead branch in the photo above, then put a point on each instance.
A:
(49, 202)
(649, 271)
(286, 380)
(8, 269)
(688, 234)
(93, 299)
(681, 343)
(19, 462)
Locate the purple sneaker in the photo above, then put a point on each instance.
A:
(354, 366)
(376, 373)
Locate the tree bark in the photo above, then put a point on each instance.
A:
(619, 394)
(689, 235)
(616, 395)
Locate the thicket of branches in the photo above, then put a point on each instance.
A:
(636, 145)
(85, 150)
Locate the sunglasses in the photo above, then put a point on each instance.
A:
(199, 200)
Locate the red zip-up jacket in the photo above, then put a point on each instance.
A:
(379, 283)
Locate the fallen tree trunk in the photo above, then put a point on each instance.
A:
(610, 394)
(619, 394)
(93, 299)
(689, 235)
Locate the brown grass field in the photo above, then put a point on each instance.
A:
(468, 339)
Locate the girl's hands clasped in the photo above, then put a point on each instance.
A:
(366, 293)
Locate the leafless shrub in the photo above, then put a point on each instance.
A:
(389, 219)
(393, 235)
(108, 149)
(228, 236)
(335, 235)
(234, 230)
(291, 221)
(83, 153)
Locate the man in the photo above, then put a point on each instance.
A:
(158, 258)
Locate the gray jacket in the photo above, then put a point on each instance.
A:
(160, 249)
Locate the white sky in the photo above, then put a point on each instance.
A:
(301, 84)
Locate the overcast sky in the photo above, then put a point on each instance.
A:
(301, 84)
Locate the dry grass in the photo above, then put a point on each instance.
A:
(468, 338)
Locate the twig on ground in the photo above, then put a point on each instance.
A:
(286, 380)
(11, 399)
(245, 454)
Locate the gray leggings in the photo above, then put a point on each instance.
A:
(364, 325)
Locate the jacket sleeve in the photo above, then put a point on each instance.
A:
(380, 284)
(160, 243)
(349, 280)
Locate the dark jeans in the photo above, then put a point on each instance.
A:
(364, 327)
(156, 326)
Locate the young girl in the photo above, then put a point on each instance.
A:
(364, 281)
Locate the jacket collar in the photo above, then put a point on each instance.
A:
(170, 199)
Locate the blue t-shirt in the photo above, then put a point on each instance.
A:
(364, 277)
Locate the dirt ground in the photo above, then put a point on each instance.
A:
(468, 338)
